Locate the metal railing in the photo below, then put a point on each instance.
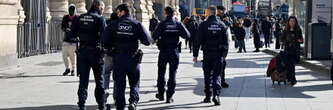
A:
(37, 35)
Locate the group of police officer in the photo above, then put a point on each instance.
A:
(120, 41)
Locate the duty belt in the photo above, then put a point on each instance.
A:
(88, 47)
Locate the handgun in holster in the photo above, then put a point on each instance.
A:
(138, 56)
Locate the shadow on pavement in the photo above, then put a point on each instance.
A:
(179, 106)
(54, 107)
(260, 86)
(28, 76)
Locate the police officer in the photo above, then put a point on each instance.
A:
(167, 35)
(108, 65)
(212, 38)
(123, 36)
(89, 28)
(223, 17)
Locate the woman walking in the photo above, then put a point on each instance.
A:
(240, 36)
(292, 39)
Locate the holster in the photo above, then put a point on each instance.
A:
(138, 56)
(179, 46)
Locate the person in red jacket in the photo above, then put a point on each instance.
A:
(69, 44)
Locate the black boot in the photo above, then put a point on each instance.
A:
(216, 100)
(72, 73)
(257, 50)
(160, 97)
(101, 106)
(169, 100)
(81, 107)
(225, 85)
(206, 100)
(66, 72)
(132, 106)
(292, 83)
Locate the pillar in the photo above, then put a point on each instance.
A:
(159, 8)
(8, 31)
(88, 4)
(107, 8)
(142, 12)
(176, 7)
(20, 12)
(58, 8)
(131, 5)
(149, 7)
(115, 3)
(80, 6)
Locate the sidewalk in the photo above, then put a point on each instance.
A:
(38, 85)
(316, 65)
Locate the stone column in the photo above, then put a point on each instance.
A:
(291, 4)
(149, 7)
(88, 4)
(80, 6)
(159, 8)
(131, 5)
(20, 12)
(107, 8)
(176, 7)
(8, 30)
(115, 3)
(58, 8)
(142, 12)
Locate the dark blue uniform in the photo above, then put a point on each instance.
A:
(89, 28)
(167, 34)
(212, 38)
(123, 36)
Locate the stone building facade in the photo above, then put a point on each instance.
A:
(31, 27)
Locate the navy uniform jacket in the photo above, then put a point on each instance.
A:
(89, 28)
(167, 33)
(124, 34)
(211, 37)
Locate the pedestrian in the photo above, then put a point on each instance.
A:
(277, 33)
(89, 27)
(153, 22)
(292, 39)
(186, 23)
(225, 19)
(212, 38)
(266, 27)
(167, 35)
(108, 64)
(247, 25)
(192, 27)
(240, 36)
(234, 27)
(113, 17)
(256, 35)
(123, 36)
(69, 44)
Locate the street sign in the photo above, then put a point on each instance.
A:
(321, 11)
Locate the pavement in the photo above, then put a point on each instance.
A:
(323, 66)
(37, 84)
